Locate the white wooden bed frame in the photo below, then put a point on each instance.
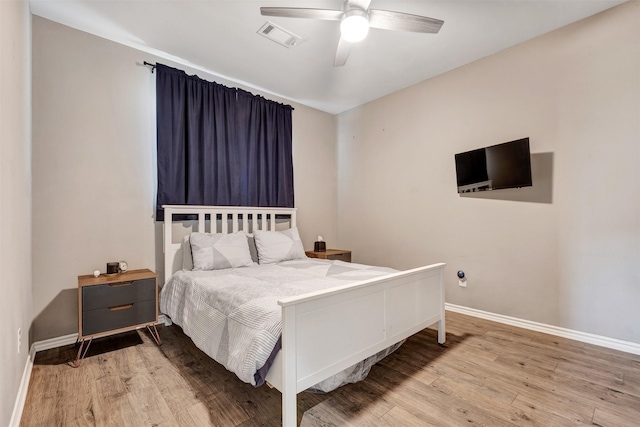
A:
(327, 331)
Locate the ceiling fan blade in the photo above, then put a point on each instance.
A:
(388, 20)
(361, 4)
(342, 53)
(294, 12)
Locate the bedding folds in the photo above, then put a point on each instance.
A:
(234, 317)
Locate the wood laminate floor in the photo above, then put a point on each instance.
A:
(487, 374)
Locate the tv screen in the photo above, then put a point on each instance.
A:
(506, 165)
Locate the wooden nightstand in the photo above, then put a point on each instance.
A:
(333, 254)
(110, 304)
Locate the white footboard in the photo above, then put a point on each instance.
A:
(328, 331)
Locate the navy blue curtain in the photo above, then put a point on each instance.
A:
(220, 146)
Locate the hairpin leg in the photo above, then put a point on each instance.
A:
(154, 334)
(81, 354)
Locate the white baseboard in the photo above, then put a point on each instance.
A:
(616, 344)
(162, 318)
(21, 398)
(55, 342)
(72, 338)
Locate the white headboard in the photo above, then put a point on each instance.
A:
(233, 219)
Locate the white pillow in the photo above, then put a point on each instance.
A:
(276, 246)
(217, 251)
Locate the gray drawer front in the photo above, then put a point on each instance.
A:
(103, 319)
(341, 257)
(104, 296)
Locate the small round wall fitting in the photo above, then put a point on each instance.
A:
(460, 274)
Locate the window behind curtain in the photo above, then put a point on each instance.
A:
(220, 146)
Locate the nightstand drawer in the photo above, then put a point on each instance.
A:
(118, 316)
(116, 294)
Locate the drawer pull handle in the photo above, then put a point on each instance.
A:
(120, 284)
(120, 307)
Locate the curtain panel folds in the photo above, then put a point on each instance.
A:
(220, 146)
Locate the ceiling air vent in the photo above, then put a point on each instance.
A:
(279, 35)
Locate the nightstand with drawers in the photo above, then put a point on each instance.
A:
(109, 304)
(332, 254)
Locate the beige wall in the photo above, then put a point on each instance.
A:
(94, 167)
(565, 252)
(15, 198)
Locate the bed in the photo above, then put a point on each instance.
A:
(323, 329)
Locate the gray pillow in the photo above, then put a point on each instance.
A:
(187, 260)
(253, 250)
(276, 246)
(217, 251)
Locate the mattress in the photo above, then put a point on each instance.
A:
(234, 317)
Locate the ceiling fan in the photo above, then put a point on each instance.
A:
(355, 20)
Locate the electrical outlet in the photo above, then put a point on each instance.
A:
(19, 339)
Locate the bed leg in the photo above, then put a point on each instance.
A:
(289, 410)
(81, 354)
(289, 368)
(442, 336)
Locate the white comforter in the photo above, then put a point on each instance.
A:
(233, 315)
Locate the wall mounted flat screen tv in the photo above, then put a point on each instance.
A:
(506, 165)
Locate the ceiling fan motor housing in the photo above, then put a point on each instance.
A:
(354, 26)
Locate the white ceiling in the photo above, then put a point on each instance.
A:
(219, 37)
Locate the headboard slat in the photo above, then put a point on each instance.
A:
(201, 222)
(234, 222)
(224, 229)
(245, 223)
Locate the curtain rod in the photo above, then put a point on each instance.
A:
(153, 66)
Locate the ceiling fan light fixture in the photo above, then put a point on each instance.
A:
(354, 26)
